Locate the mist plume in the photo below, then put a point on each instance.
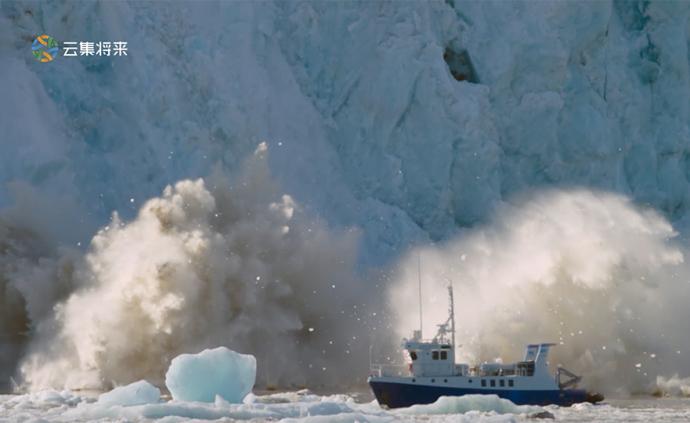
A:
(221, 261)
(590, 271)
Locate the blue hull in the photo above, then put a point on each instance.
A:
(396, 395)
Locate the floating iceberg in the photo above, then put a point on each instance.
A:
(467, 403)
(218, 371)
(136, 393)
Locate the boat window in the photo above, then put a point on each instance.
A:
(493, 383)
(444, 355)
(445, 380)
(510, 383)
(434, 355)
(502, 382)
(525, 368)
(433, 380)
(483, 382)
(413, 355)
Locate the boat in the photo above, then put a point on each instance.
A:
(432, 373)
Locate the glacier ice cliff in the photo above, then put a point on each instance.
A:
(365, 119)
(409, 120)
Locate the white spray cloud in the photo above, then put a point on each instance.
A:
(231, 261)
(673, 386)
(35, 270)
(588, 270)
(208, 263)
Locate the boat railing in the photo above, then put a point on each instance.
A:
(435, 340)
(388, 370)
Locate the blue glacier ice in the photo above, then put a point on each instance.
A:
(365, 121)
(210, 373)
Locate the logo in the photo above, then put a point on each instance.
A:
(44, 48)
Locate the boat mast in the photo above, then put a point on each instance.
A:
(452, 313)
(419, 282)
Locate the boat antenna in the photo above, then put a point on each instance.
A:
(419, 282)
(452, 311)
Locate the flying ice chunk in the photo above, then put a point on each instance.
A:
(218, 371)
(136, 393)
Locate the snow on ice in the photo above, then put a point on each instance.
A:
(136, 393)
(301, 406)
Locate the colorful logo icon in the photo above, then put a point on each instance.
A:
(45, 48)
